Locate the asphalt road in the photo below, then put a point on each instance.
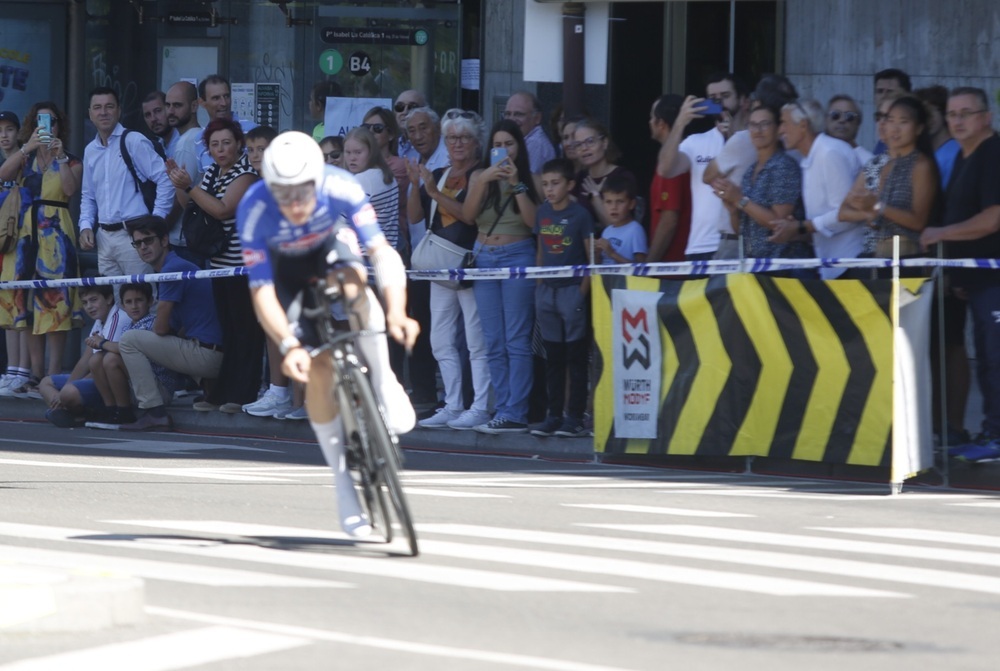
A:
(526, 564)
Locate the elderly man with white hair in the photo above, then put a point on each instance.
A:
(829, 167)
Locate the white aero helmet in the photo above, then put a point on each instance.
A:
(292, 158)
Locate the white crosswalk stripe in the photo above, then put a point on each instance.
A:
(180, 650)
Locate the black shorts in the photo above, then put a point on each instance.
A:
(294, 272)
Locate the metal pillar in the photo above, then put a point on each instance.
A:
(573, 63)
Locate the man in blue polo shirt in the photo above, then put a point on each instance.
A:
(183, 307)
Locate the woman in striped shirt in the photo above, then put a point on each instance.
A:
(221, 189)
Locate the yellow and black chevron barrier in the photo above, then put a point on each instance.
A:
(748, 365)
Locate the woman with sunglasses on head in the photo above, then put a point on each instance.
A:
(222, 187)
(502, 202)
(365, 161)
(596, 153)
(47, 248)
(382, 123)
(439, 199)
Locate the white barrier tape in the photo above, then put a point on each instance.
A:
(536, 272)
(123, 279)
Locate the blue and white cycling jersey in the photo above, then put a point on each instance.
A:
(264, 231)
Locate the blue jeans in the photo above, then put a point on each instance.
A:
(985, 305)
(507, 314)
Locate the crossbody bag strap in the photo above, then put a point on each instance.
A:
(434, 203)
(503, 208)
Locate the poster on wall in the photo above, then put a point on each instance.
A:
(343, 114)
(242, 100)
(25, 64)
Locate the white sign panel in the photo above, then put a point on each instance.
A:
(637, 361)
(543, 45)
(343, 114)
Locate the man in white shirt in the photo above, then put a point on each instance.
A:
(829, 168)
(709, 219)
(109, 196)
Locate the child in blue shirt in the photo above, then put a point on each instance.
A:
(624, 241)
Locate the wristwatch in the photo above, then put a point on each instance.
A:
(878, 207)
(288, 344)
(744, 201)
(802, 227)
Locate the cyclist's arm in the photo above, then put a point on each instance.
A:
(297, 363)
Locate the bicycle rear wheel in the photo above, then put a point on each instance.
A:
(383, 452)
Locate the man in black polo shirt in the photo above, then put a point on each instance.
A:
(971, 229)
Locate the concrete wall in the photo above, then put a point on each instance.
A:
(502, 53)
(836, 47)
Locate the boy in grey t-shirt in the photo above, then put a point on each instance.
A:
(564, 230)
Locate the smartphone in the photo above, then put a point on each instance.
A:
(45, 127)
(497, 154)
(710, 107)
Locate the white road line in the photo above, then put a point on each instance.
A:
(145, 446)
(560, 483)
(810, 542)
(420, 491)
(157, 570)
(657, 572)
(416, 570)
(413, 647)
(179, 650)
(782, 560)
(924, 535)
(980, 504)
(655, 510)
(881, 494)
(197, 472)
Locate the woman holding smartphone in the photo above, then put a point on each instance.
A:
(47, 248)
(501, 202)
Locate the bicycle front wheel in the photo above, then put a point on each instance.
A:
(382, 448)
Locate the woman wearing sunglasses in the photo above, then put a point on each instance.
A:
(382, 123)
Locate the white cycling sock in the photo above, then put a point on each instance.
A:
(375, 349)
(331, 441)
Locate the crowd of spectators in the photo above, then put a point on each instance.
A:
(761, 173)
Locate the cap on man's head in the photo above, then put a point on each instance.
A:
(10, 117)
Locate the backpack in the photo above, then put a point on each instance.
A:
(146, 187)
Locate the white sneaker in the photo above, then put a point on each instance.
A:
(469, 420)
(13, 382)
(268, 405)
(440, 419)
(298, 413)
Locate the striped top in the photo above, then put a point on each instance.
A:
(232, 255)
(385, 199)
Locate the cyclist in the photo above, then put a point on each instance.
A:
(305, 219)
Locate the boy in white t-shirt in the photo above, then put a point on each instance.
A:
(624, 241)
(71, 397)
